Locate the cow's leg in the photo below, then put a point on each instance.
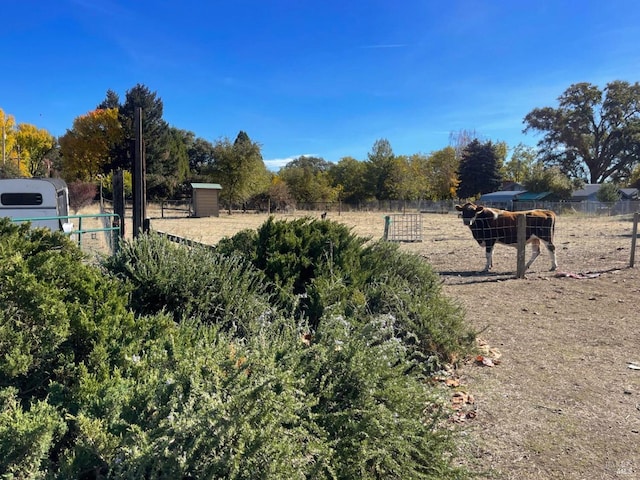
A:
(535, 251)
(489, 254)
(552, 253)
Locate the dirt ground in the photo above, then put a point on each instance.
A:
(562, 400)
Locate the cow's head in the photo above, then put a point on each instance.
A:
(469, 212)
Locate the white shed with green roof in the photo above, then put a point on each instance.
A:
(205, 199)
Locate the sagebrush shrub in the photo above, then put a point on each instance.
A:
(190, 282)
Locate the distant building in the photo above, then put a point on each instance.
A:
(523, 200)
(629, 194)
(531, 200)
(501, 199)
(588, 193)
(205, 199)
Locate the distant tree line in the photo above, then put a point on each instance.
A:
(592, 136)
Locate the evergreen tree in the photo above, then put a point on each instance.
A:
(479, 170)
(154, 129)
(379, 165)
(112, 100)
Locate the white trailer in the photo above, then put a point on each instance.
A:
(36, 198)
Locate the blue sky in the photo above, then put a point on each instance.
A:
(324, 78)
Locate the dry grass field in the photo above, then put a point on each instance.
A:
(562, 401)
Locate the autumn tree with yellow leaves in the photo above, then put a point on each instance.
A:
(86, 148)
(32, 145)
(24, 147)
(7, 137)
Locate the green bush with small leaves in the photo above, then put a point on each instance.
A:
(170, 362)
(320, 266)
(193, 282)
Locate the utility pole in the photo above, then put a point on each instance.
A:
(139, 180)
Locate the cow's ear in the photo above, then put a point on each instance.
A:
(479, 209)
(459, 208)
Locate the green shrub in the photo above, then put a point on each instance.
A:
(200, 402)
(27, 436)
(197, 402)
(320, 267)
(403, 285)
(190, 282)
(59, 315)
(54, 308)
(381, 417)
(243, 244)
(239, 387)
(294, 253)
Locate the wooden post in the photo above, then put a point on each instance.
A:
(139, 183)
(632, 259)
(522, 244)
(118, 198)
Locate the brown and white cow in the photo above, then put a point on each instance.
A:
(491, 225)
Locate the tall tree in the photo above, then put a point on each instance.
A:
(278, 194)
(308, 180)
(460, 139)
(519, 166)
(408, 178)
(155, 129)
(348, 175)
(8, 139)
(591, 134)
(379, 164)
(442, 174)
(479, 170)
(88, 146)
(112, 100)
(200, 152)
(33, 144)
(239, 168)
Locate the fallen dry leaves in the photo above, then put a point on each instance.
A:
(487, 356)
(461, 402)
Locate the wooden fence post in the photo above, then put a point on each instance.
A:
(522, 244)
(139, 178)
(632, 259)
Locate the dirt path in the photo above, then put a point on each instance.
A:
(562, 403)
